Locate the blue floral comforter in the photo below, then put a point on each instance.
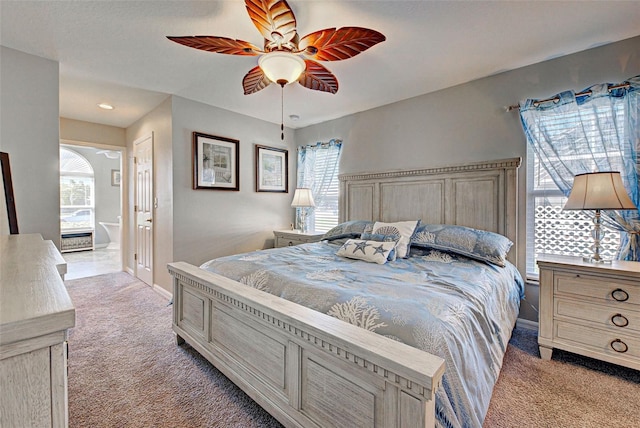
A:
(451, 306)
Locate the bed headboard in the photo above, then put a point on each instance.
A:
(482, 195)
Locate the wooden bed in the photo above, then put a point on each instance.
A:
(311, 370)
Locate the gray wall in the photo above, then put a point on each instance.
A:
(107, 197)
(468, 123)
(213, 223)
(29, 133)
(197, 225)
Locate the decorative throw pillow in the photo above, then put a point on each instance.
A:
(348, 229)
(476, 244)
(392, 237)
(403, 228)
(369, 251)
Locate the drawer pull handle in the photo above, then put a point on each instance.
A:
(619, 320)
(619, 346)
(620, 295)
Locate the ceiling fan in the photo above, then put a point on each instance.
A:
(286, 58)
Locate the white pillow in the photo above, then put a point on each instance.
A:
(369, 251)
(404, 228)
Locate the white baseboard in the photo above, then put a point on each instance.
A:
(161, 291)
(528, 324)
(129, 271)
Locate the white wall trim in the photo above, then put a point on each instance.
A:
(528, 324)
(161, 291)
(129, 271)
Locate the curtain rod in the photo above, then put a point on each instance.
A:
(579, 94)
(321, 144)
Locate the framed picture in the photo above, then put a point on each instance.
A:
(216, 162)
(115, 177)
(8, 193)
(271, 169)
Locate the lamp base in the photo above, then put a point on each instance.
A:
(593, 260)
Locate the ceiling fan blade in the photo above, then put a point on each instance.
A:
(217, 44)
(254, 81)
(274, 19)
(318, 78)
(335, 45)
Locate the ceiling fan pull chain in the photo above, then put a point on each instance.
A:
(282, 112)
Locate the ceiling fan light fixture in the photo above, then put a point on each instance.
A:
(281, 67)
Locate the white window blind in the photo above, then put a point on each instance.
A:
(325, 215)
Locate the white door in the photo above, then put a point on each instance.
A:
(143, 165)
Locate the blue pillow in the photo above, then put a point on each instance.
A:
(348, 229)
(474, 243)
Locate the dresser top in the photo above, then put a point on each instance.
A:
(33, 298)
(616, 266)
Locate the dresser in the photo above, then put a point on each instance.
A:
(590, 309)
(35, 314)
(287, 238)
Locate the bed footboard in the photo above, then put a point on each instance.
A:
(305, 368)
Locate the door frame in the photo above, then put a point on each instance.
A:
(134, 221)
(124, 190)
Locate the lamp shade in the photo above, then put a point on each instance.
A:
(599, 191)
(281, 66)
(302, 197)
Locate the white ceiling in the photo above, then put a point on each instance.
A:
(116, 51)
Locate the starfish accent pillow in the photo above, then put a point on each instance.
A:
(369, 251)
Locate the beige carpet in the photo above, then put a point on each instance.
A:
(126, 371)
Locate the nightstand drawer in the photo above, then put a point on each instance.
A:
(288, 238)
(600, 341)
(598, 287)
(609, 316)
(288, 242)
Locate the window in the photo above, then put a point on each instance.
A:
(594, 130)
(550, 230)
(318, 170)
(77, 210)
(325, 215)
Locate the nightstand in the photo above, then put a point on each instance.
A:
(590, 309)
(287, 238)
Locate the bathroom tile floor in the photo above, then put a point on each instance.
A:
(82, 264)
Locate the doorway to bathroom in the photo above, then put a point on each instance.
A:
(91, 200)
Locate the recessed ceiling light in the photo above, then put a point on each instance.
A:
(105, 106)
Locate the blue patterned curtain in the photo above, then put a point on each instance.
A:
(597, 131)
(317, 167)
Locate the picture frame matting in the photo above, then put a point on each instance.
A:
(272, 169)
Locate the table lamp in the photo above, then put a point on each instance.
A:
(302, 198)
(598, 191)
